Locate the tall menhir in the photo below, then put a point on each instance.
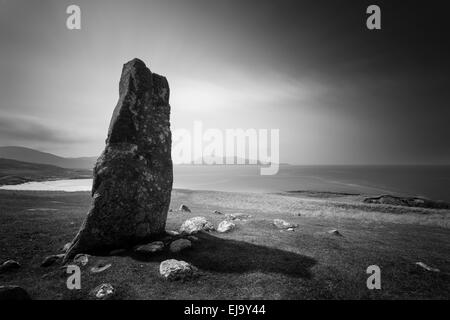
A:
(133, 176)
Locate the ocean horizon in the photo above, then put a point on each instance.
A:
(431, 182)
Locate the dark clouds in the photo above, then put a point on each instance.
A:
(338, 92)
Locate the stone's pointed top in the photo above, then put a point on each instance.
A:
(136, 63)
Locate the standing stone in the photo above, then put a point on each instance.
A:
(133, 176)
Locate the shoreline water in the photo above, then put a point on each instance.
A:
(428, 182)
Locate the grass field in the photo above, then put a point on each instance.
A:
(255, 261)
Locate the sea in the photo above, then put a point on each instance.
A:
(431, 182)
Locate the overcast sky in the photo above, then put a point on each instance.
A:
(339, 93)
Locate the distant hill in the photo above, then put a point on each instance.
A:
(35, 156)
(16, 172)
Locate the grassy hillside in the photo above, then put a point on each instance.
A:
(254, 261)
(16, 172)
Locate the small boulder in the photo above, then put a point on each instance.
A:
(237, 216)
(81, 259)
(176, 270)
(9, 265)
(193, 238)
(172, 233)
(179, 245)
(281, 224)
(184, 208)
(217, 212)
(151, 247)
(225, 226)
(195, 225)
(13, 293)
(335, 232)
(50, 260)
(104, 291)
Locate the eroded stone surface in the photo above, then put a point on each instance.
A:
(133, 176)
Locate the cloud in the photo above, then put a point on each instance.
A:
(27, 129)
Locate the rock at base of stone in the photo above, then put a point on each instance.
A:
(179, 245)
(176, 270)
(335, 232)
(152, 247)
(195, 225)
(225, 226)
(13, 293)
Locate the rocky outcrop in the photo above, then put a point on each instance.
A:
(408, 202)
(133, 176)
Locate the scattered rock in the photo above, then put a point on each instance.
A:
(9, 265)
(426, 267)
(13, 293)
(151, 247)
(335, 232)
(179, 245)
(172, 233)
(81, 258)
(133, 176)
(195, 225)
(237, 216)
(217, 212)
(117, 252)
(50, 260)
(104, 291)
(100, 267)
(184, 208)
(176, 270)
(66, 247)
(281, 224)
(290, 229)
(225, 226)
